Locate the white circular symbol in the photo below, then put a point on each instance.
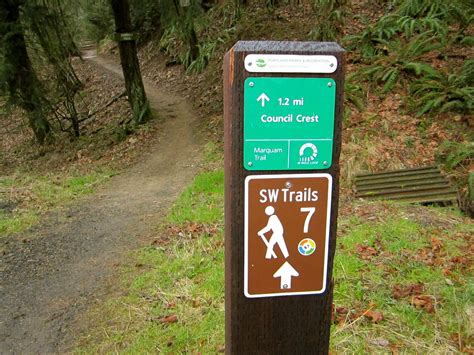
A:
(313, 151)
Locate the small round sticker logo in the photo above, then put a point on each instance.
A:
(306, 247)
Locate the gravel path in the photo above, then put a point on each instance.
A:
(52, 274)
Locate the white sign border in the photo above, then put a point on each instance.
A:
(291, 63)
(246, 225)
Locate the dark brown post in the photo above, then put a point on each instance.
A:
(267, 313)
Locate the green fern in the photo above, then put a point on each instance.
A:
(354, 92)
(438, 8)
(329, 19)
(171, 43)
(410, 26)
(452, 12)
(440, 92)
(419, 68)
(454, 154)
(467, 41)
(206, 50)
(373, 40)
(403, 58)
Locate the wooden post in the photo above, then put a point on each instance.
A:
(273, 89)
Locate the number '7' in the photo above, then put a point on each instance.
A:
(310, 211)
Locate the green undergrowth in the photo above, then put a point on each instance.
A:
(402, 281)
(175, 303)
(24, 198)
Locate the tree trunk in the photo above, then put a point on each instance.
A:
(130, 65)
(192, 39)
(21, 79)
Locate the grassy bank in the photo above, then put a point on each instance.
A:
(24, 198)
(403, 281)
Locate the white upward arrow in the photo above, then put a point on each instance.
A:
(263, 97)
(286, 272)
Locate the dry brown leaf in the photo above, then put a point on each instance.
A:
(173, 318)
(436, 244)
(340, 314)
(374, 316)
(394, 349)
(399, 291)
(366, 252)
(423, 302)
(342, 310)
(171, 305)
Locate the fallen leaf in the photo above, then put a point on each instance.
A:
(169, 319)
(460, 260)
(374, 316)
(366, 252)
(342, 310)
(394, 349)
(446, 271)
(340, 315)
(423, 302)
(399, 291)
(436, 244)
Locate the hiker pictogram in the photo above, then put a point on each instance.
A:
(274, 225)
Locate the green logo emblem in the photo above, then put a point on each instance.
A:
(261, 63)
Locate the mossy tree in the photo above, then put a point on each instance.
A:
(129, 59)
(16, 70)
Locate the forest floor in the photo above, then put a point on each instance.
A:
(53, 272)
(403, 273)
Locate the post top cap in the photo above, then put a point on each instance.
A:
(286, 46)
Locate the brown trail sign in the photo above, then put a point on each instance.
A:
(286, 234)
(283, 112)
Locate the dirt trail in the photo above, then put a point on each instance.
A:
(52, 275)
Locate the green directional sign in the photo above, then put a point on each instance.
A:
(288, 123)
